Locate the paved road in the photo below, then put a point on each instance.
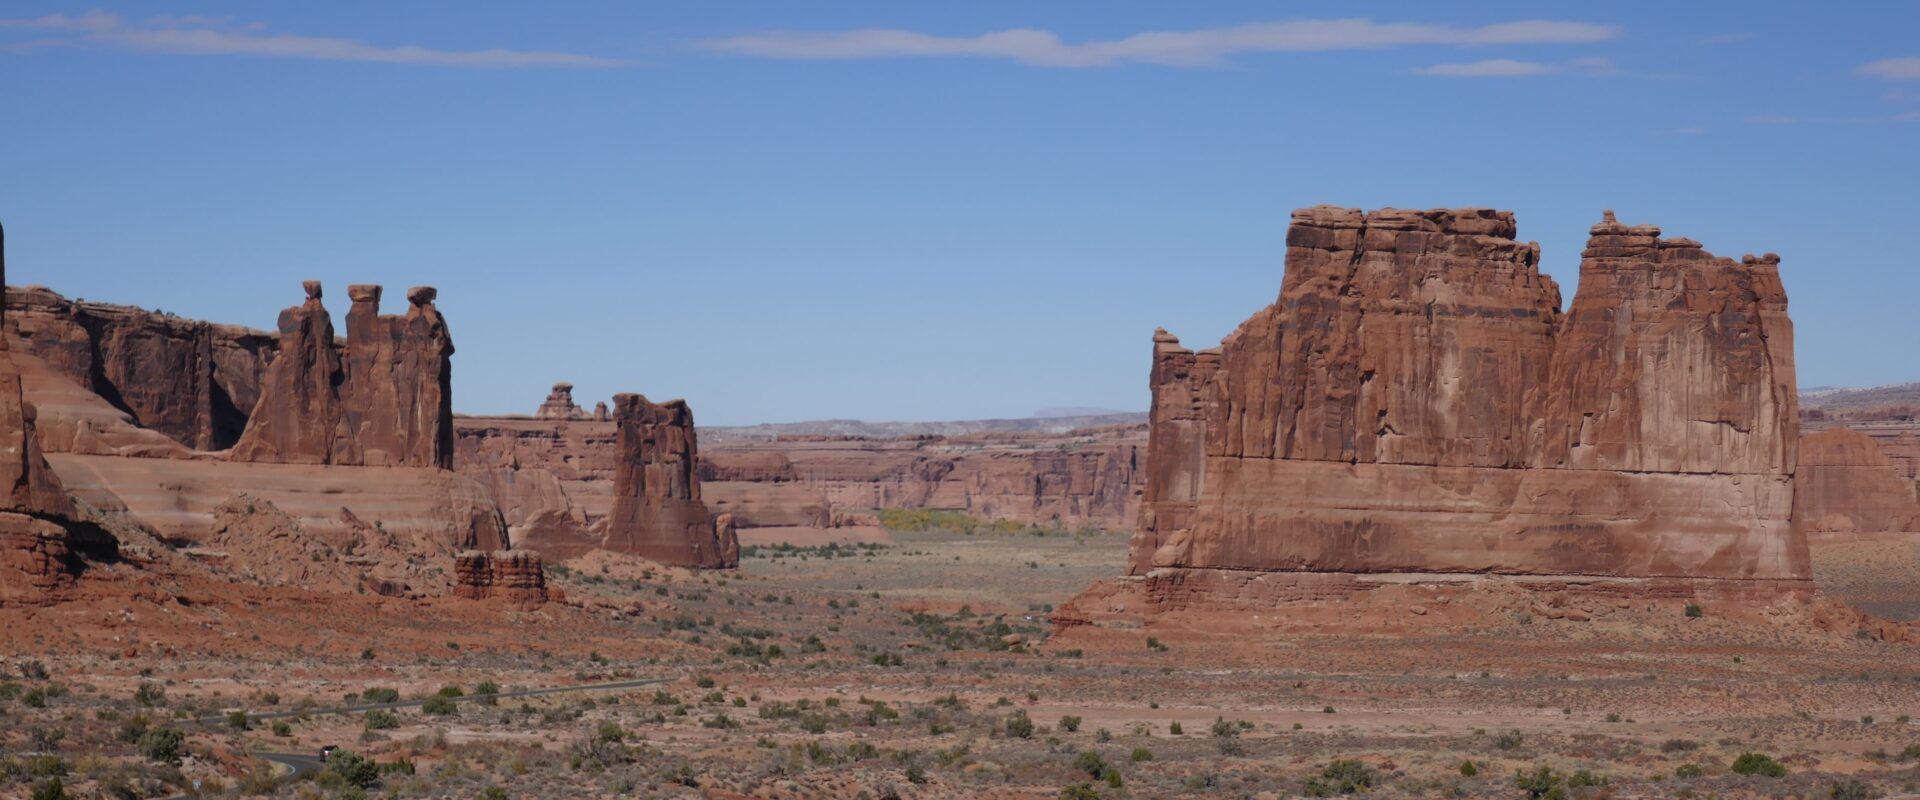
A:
(301, 765)
(355, 709)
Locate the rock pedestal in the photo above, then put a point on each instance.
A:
(657, 511)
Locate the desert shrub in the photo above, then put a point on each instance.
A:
(150, 694)
(438, 704)
(1343, 776)
(486, 694)
(381, 695)
(1541, 784)
(282, 729)
(1468, 770)
(161, 744)
(353, 769)
(1091, 763)
(1694, 611)
(1070, 723)
(51, 789)
(1679, 746)
(1852, 790)
(380, 720)
(451, 690)
(1175, 729)
(1080, 791)
(1758, 764)
(1583, 778)
(1688, 771)
(34, 669)
(1019, 726)
(1140, 754)
(492, 793)
(1507, 741)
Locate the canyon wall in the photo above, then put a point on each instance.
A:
(1858, 481)
(1416, 403)
(194, 382)
(554, 476)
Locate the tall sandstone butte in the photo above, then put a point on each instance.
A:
(34, 544)
(657, 511)
(384, 399)
(1416, 402)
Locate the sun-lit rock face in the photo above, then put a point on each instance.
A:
(385, 398)
(1416, 402)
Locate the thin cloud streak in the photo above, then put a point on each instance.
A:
(201, 36)
(1193, 48)
(1893, 69)
(1509, 68)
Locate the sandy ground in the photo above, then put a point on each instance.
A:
(906, 670)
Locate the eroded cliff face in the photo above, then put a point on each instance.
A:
(1415, 402)
(556, 475)
(384, 399)
(657, 511)
(194, 382)
(1848, 486)
(35, 548)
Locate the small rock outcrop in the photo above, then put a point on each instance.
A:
(1416, 403)
(516, 577)
(383, 399)
(559, 404)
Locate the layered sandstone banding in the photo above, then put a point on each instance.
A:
(384, 399)
(517, 577)
(657, 512)
(555, 476)
(1847, 486)
(194, 382)
(1416, 403)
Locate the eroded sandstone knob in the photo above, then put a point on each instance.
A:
(422, 295)
(365, 293)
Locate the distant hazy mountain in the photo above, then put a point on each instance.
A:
(887, 430)
(1835, 398)
(1076, 411)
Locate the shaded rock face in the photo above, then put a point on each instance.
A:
(657, 511)
(195, 382)
(1415, 402)
(384, 399)
(1847, 485)
(518, 577)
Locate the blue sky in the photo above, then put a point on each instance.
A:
(787, 211)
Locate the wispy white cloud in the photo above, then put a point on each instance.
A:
(1727, 38)
(1490, 68)
(204, 36)
(1690, 130)
(1177, 48)
(1509, 68)
(1893, 69)
(1771, 119)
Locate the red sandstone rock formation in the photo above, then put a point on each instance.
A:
(193, 381)
(1847, 486)
(34, 545)
(559, 404)
(554, 478)
(385, 399)
(657, 512)
(1415, 402)
(516, 577)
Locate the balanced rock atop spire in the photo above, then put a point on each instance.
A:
(559, 404)
(384, 399)
(1416, 402)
